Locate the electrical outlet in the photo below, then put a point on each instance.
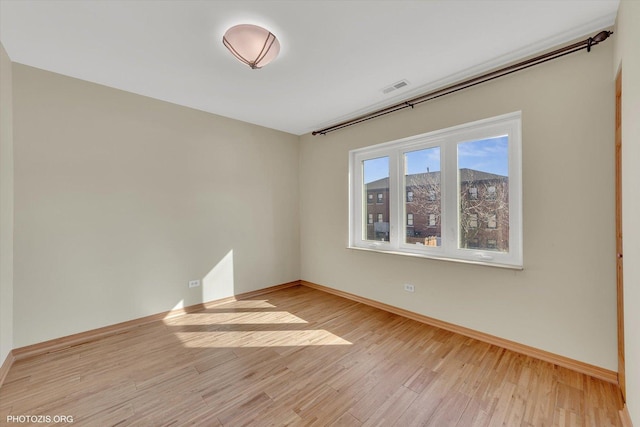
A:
(194, 283)
(409, 288)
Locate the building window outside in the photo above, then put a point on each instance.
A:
(409, 196)
(370, 198)
(370, 219)
(410, 219)
(491, 192)
(473, 220)
(492, 222)
(473, 193)
(440, 175)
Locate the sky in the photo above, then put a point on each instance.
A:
(486, 155)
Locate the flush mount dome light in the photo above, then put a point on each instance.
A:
(252, 45)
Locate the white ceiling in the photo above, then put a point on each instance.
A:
(335, 58)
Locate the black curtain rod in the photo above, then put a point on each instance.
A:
(585, 44)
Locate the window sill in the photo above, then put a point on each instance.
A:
(438, 258)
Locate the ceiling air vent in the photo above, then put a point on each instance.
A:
(395, 86)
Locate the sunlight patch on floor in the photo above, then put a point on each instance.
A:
(234, 339)
(239, 304)
(272, 317)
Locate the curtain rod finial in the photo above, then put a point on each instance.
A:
(602, 36)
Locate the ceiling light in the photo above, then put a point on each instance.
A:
(252, 45)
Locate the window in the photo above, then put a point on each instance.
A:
(491, 192)
(370, 219)
(370, 198)
(375, 180)
(459, 189)
(492, 221)
(422, 176)
(473, 193)
(473, 220)
(410, 219)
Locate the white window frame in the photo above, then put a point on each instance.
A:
(448, 140)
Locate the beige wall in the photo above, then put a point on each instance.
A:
(627, 57)
(564, 299)
(120, 200)
(6, 206)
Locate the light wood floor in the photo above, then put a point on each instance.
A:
(299, 356)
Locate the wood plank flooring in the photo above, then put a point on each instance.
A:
(300, 356)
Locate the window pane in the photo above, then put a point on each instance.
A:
(483, 181)
(376, 187)
(422, 185)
